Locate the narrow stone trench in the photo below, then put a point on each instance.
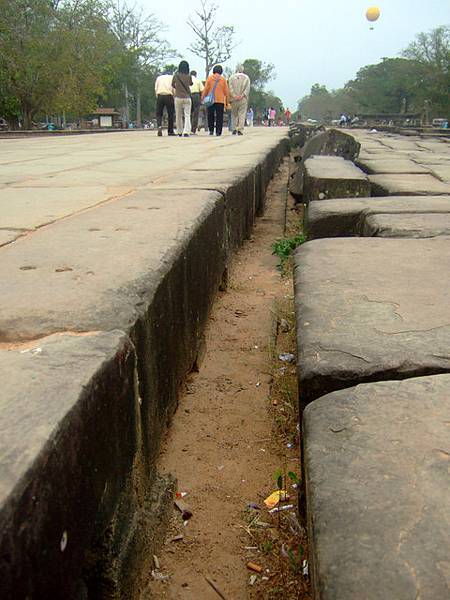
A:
(223, 446)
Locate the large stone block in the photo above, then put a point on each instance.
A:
(377, 489)
(144, 251)
(408, 185)
(326, 143)
(402, 216)
(419, 225)
(328, 177)
(332, 143)
(391, 164)
(71, 461)
(370, 309)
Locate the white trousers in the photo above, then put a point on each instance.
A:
(183, 109)
(239, 112)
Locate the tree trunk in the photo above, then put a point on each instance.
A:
(127, 106)
(138, 107)
(27, 117)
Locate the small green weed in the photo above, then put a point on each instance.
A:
(266, 546)
(295, 559)
(284, 247)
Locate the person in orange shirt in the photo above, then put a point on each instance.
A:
(221, 97)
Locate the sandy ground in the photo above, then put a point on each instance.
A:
(220, 445)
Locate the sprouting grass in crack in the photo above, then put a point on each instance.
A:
(284, 247)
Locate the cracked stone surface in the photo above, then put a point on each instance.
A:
(118, 231)
(407, 184)
(404, 166)
(370, 309)
(400, 216)
(405, 225)
(377, 458)
(391, 164)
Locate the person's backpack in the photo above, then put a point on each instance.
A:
(210, 99)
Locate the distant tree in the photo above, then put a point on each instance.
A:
(169, 68)
(386, 87)
(431, 54)
(212, 43)
(143, 48)
(53, 55)
(318, 104)
(260, 73)
(85, 51)
(27, 40)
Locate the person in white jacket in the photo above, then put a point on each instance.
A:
(239, 85)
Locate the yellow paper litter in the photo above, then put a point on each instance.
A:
(276, 497)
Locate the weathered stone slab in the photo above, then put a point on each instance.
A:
(407, 185)
(332, 143)
(377, 487)
(391, 165)
(327, 143)
(412, 226)
(344, 218)
(146, 258)
(370, 309)
(300, 133)
(441, 171)
(328, 177)
(9, 235)
(70, 448)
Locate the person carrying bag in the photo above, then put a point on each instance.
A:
(215, 97)
(209, 100)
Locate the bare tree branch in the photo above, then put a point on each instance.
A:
(212, 43)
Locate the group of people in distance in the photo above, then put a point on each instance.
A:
(183, 94)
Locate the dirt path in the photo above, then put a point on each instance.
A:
(221, 445)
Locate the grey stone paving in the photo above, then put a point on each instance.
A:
(407, 185)
(333, 177)
(419, 225)
(370, 309)
(404, 166)
(400, 214)
(44, 180)
(125, 232)
(377, 490)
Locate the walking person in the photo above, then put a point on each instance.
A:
(164, 99)
(181, 84)
(218, 86)
(250, 117)
(239, 85)
(287, 116)
(196, 94)
(272, 116)
(229, 114)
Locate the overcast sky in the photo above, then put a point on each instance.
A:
(308, 41)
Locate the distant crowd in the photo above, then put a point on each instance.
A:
(192, 104)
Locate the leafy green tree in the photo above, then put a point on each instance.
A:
(430, 53)
(387, 87)
(140, 36)
(54, 55)
(318, 104)
(27, 41)
(85, 48)
(260, 73)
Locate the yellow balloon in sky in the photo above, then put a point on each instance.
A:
(373, 13)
